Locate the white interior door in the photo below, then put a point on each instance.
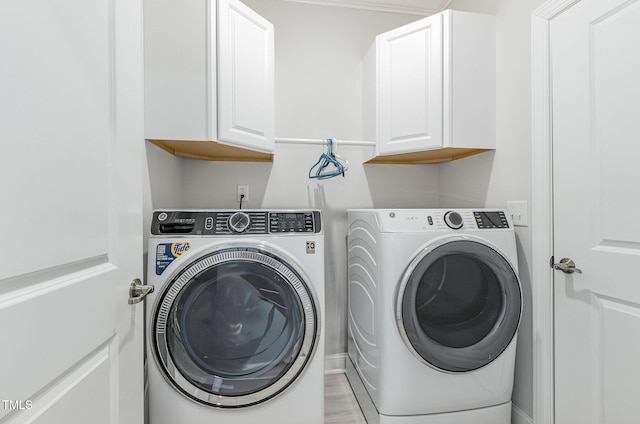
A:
(596, 106)
(70, 222)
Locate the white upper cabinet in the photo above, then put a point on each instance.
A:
(409, 63)
(209, 76)
(430, 87)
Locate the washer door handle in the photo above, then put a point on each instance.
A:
(138, 291)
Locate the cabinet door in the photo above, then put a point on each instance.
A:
(245, 77)
(178, 82)
(410, 87)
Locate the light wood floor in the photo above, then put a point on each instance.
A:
(340, 405)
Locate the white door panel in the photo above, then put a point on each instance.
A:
(596, 92)
(44, 119)
(71, 132)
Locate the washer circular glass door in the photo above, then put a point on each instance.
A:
(235, 327)
(459, 305)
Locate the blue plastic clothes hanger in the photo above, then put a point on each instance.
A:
(327, 165)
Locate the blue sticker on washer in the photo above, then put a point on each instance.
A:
(168, 252)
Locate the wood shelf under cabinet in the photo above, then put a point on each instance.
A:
(427, 156)
(211, 150)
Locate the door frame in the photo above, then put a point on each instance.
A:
(542, 210)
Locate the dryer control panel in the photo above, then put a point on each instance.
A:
(235, 222)
(418, 220)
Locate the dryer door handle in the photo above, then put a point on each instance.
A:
(138, 291)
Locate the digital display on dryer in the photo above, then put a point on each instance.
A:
(491, 219)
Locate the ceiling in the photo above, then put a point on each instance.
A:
(414, 7)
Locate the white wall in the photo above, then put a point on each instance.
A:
(164, 178)
(318, 65)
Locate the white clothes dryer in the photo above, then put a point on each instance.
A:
(434, 307)
(236, 320)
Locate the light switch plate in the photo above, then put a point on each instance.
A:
(518, 211)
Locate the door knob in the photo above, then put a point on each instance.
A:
(138, 291)
(567, 266)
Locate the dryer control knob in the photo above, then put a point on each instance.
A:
(453, 220)
(239, 222)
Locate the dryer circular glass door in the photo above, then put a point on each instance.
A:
(235, 327)
(459, 305)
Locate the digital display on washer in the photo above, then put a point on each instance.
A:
(495, 219)
(291, 222)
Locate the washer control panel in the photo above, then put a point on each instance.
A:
(291, 222)
(236, 222)
(239, 222)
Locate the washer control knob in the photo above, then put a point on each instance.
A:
(239, 222)
(453, 220)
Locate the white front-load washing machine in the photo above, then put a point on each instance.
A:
(434, 307)
(236, 319)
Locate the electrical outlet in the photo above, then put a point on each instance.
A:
(242, 189)
(518, 212)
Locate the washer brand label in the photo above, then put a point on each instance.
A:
(178, 249)
(168, 252)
